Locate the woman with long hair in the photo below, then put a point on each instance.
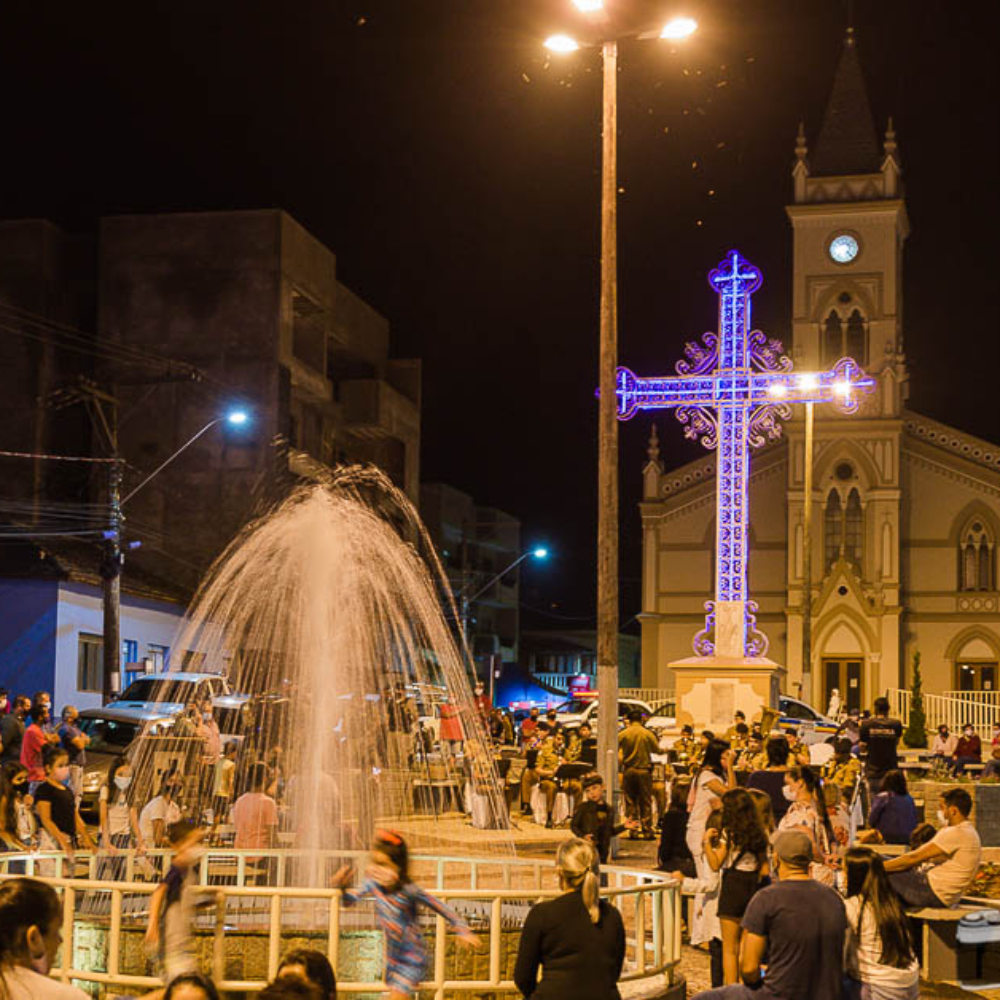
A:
(739, 850)
(807, 812)
(711, 781)
(31, 920)
(578, 939)
(880, 958)
(16, 828)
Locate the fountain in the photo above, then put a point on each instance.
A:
(329, 616)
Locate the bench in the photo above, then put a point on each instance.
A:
(944, 958)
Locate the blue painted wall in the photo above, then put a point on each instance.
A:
(28, 624)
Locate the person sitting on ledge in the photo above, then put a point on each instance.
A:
(969, 750)
(992, 768)
(953, 855)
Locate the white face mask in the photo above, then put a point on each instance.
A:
(788, 792)
(942, 819)
(123, 781)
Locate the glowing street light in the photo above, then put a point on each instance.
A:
(562, 44)
(541, 553)
(238, 417)
(679, 27)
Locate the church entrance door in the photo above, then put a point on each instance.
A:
(845, 675)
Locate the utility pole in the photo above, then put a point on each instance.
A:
(607, 460)
(111, 572)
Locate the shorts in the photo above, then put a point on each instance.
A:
(737, 890)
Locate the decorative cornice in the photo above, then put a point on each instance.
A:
(971, 448)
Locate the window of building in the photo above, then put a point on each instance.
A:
(845, 340)
(90, 663)
(976, 675)
(130, 651)
(308, 332)
(832, 529)
(977, 552)
(160, 656)
(843, 529)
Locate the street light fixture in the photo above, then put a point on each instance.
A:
(607, 465)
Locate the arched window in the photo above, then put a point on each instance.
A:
(976, 558)
(833, 339)
(853, 530)
(833, 529)
(855, 341)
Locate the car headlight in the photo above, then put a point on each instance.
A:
(92, 781)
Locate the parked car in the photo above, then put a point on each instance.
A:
(572, 713)
(812, 726)
(663, 718)
(173, 687)
(113, 732)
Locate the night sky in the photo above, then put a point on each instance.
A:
(453, 167)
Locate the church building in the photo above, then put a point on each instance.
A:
(905, 510)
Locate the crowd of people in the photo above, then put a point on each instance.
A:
(786, 878)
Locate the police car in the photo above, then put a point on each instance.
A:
(811, 726)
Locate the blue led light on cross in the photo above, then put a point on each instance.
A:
(730, 392)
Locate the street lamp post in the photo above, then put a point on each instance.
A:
(807, 491)
(114, 558)
(607, 457)
(466, 600)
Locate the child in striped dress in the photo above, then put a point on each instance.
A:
(396, 901)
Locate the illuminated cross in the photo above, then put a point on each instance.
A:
(731, 392)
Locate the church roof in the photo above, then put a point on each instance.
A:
(847, 142)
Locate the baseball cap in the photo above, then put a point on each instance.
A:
(792, 847)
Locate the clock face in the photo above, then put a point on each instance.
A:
(843, 248)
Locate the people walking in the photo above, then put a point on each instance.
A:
(576, 939)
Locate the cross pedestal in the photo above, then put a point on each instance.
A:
(731, 393)
(710, 689)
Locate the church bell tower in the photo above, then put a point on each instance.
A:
(849, 225)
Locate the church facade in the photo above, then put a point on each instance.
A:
(905, 512)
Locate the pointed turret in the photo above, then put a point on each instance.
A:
(891, 169)
(800, 172)
(847, 143)
(654, 468)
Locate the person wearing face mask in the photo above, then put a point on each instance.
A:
(397, 902)
(62, 826)
(943, 747)
(159, 812)
(940, 872)
(12, 730)
(119, 820)
(969, 749)
(807, 814)
(36, 739)
(30, 935)
(15, 835)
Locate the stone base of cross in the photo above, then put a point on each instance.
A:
(731, 392)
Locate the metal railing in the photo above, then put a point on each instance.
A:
(980, 709)
(650, 905)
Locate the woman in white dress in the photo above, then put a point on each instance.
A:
(711, 781)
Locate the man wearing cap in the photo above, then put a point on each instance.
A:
(799, 925)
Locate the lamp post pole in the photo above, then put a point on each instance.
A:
(607, 460)
(807, 491)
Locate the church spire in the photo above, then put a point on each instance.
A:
(847, 142)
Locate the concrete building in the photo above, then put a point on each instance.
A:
(253, 301)
(474, 544)
(906, 510)
(555, 656)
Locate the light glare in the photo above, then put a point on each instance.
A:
(808, 382)
(561, 44)
(540, 553)
(679, 27)
(237, 417)
(777, 390)
(588, 6)
(842, 388)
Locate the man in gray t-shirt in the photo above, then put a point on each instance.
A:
(799, 926)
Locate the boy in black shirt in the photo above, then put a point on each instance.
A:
(593, 821)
